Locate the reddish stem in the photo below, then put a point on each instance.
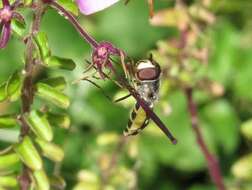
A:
(5, 3)
(212, 162)
(27, 94)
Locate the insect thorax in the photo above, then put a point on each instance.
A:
(147, 75)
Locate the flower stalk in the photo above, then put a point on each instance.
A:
(212, 162)
(27, 93)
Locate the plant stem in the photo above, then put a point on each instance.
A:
(28, 88)
(212, 162)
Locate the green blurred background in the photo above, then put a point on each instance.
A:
(162, 166)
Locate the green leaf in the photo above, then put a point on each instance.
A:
(69, 5)
(41, 41)
(7, 121)
(52, 95)
(61, 63)
(246, 129)
(8, 161)
(3, 95)
(61, 120)
(14, 86)
(58, 83)
(222, 120)
(41, 179)
(242, 169)
(39, 125)
(8, 181)
(28, 153)
(18, 27)
(50, 150)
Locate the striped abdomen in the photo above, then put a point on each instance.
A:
(137, 122)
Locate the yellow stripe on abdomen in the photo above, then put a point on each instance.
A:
(138, 120)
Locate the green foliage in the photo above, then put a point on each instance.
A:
(28, 153)
(40, 125)
(8, 181)
(61, 63)
(97, 123)
(52, 95)
(7, 121)
(50, 150)
(69, 5)
(42, 181)
(8, 161)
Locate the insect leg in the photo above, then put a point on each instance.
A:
(90, 65)
(125, 70)
(122, 98)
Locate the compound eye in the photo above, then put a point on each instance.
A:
(148, 74)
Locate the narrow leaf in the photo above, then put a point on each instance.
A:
(61, 63)
(28, 153)
(18, 27)
(3, 95)
(8, 161)
(7, 121)
(41, 179)
(50, 150)
(8, 181)
(52, 95)
(13, 87)
(39, 125)
(58, 83)
(42, 44)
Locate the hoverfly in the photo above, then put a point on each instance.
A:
(145, 78)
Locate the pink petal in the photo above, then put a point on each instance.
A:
(88, 7)
(5, 35)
